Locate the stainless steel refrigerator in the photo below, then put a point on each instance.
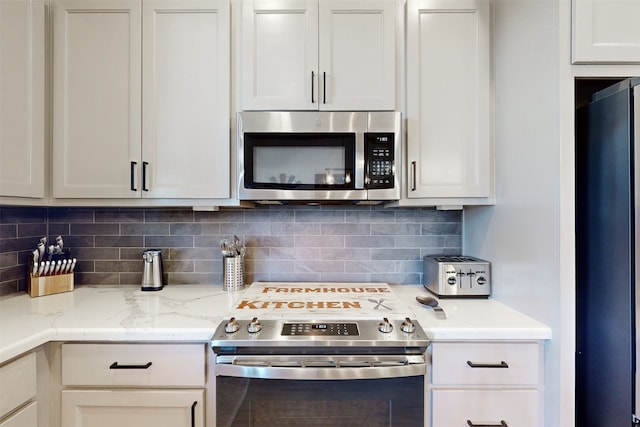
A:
(608, 256)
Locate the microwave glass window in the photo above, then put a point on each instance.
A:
(299, 165)
(304, 161)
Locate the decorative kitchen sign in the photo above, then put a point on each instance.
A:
(338, 300)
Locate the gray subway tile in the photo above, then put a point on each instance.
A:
(345, 254)
(294, 228)
(320, 241)
(319, 216)
(118, 241)
(92, 229)
(168, 241)
(395, 254)
(346, 229)
(395, 229)
(140, 229)
(119, 215)
(168, 215)
(185, 229)
(369, 242)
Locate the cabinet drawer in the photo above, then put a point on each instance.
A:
(17, 383)
(485, 363)
(26, 417)
(485, 407)
(133, 364)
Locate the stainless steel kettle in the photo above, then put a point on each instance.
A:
(152, 275)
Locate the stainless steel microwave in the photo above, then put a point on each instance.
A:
(319, 156)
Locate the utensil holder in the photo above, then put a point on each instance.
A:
(233, 273)
(47, 285)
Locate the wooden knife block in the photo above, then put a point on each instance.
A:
(47, 285)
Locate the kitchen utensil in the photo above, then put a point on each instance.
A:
(41, 268)
(152, 275)
(433, 303)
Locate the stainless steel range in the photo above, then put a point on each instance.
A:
(318, 354)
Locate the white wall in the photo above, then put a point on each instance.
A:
(521, 233)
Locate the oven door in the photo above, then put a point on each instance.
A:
(301, 156)
(320, 391)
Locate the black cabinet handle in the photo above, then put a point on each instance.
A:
(313, 101)
(324, 87)
(144, 176)
(115, 365)
(501, 424)
(413, 176)
(502, 364)
(133, 173)
(193, 414)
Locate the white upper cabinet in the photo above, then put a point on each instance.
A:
(22, 99)
(318, 55)
(121, 133)
(185, 104)
(449, 154)
(96, 98)
(605, 31)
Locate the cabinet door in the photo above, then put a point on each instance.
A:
(96, 98)
(185, 138)
(606, 31)
(22, 75)
(280, 55)
(132, 408)
(357, 55)
(448, 102)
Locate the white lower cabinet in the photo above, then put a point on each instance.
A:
(133, 385)
(132, 408)
(486, 384)
(18, 388)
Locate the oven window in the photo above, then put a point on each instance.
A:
(389, 402)
(299, 161)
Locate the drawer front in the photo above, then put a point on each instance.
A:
(17, 383)
(485, 363)
(465, 408)
(133, 364)
(26, 417)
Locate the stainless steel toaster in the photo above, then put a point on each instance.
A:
(457, 276)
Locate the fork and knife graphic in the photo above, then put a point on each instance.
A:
(379, 304)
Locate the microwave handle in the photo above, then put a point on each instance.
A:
(360, 162)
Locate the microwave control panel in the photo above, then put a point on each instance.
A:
(380, 157)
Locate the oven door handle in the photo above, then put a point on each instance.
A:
(293, 370)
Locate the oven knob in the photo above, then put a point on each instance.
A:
(231, 326)
(254, 326)
(385, 326)
(407, 326)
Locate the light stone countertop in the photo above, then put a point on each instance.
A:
(191, 313)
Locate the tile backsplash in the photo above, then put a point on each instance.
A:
(284, 243)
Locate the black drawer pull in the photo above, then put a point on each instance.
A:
(501, 424)
(115, 365)
(502, 364)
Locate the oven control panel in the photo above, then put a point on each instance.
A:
(324, 329)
